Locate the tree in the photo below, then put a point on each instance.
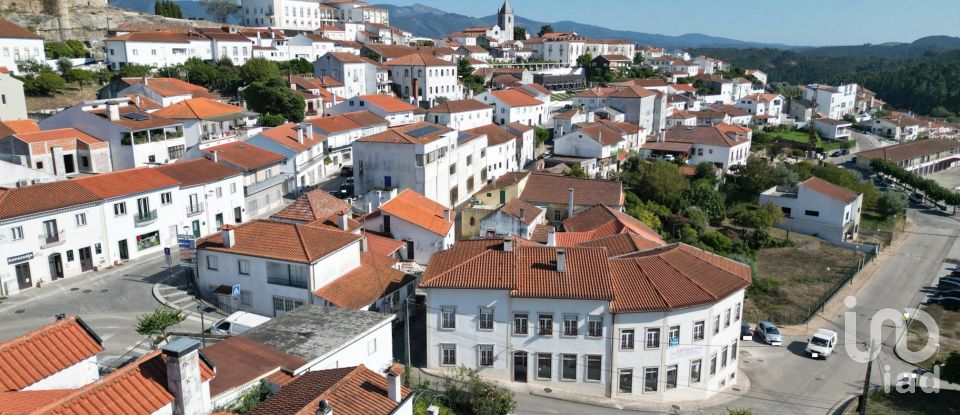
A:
(44, 84)
(82, 77)
(134, 71)
(271, 120)
(638, 58)
(259, 70)
(541, 135)
(299, 66)
(220, 10)
(661, 182)
(275, 97)
(545, 29)
(576, 171)
(199, 72)
(470, 394)
(64, 66)
(706, 171)
(249, 399)
(156, 323)
(942, 112)
(749, 179)
(891, 203)
(697, 217)
(519, 33)
(167, 8)
(951, 368)
(584, 60)
(466, 74)
(703, 195)
(768, 214)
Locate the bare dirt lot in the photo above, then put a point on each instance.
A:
(948, 322)
(69, 97)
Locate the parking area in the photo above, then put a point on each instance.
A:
(949, 178)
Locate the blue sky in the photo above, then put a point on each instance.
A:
(795, 22)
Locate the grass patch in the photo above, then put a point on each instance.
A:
(560, 96)
(790, 281)
(872, 220)
(423, 402)
(946, 402)
(949, 324)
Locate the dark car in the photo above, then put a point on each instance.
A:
(947, 285)
(346, 171)
(746, 330)
(949, 303)
(916, 198)
(835, 154)
(345, 191)
(845, 151)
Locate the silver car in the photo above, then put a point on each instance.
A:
(769, 333)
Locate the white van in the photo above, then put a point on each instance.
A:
(821, 344)
(237, 323)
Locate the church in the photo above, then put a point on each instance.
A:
(505, 21)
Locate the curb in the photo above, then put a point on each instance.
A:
(840, 408)
(160, 298)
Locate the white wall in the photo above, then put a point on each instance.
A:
(75, 376)
(15, 50)
(373, 349)
(13, 104)
(462, 120)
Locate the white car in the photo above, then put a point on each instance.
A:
(821, 343)
(237, 323)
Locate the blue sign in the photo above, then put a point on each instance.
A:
(16, 259)
(674, 341)
(187, 243)
(236, 291)
(166, 250)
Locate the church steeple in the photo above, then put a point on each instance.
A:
(505, 21)
(506, 9)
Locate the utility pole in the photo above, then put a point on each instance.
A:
(862, 409)
(406, 329)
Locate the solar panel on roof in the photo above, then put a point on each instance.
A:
(422, 131)
(135, 116)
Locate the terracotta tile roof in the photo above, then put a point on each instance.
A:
(462, 105)
(667, 146)
(418, 58)
(10, 30)
(10, 127)
(714, 136)
(600, 133)
(280, 378)
(479, 263)
(197, 171)
(349, 391)
(387, 103)
(540, 233)
(363, 286)
(586, 275)
(595, 92)
(227, 37)
(633, 92)
(516, 206)
(313, 205)
(514, 98)
(58, 134)
(416, 133)
(623, 127)
(199, 109)
(620, 243)
(146, 121)
(683, 87)
(245, 156)
(141, 102)
(347, 121)
(26, 402)
(126, 182)
(390, 51)
(830, 190)
(537, 87)
(496, 135)
(645, 83)
(240, 361)
(674, 276)
(283, 241)
(169, 87)
(506, 80)
(43, 197)
(519, 128)
(732, 111)
(382, 245)
(419, 210)
(600, 216)
(159, 37)
(762, 97)
(287, 136)
(551, 188)
(569, 114)
(347, 57)
(911, 150)
(29, 358)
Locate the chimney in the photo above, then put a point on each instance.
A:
(145, 80)
(183, 375)
(113, 109)
(446, 215)
(393, 385)
(136, 99)
(552, 238)
(228, 234)
(214, 157)
(343, 221)
(416, 96)
(521, 214)
(561, 260)
(570, 202)
(364, 247)
(508, 244)
(324, 408)
(309, 129)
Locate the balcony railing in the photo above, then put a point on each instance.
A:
(194, 209)
(145, 218)
(287, 281)
(47, 241)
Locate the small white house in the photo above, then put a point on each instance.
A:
(461, 114)
(899, 128)
(424, 78)
(13, 104)
(511, 105)
(396, 111)
(425, 225)
(723, 145)
(832, 129)
(18, 45)
(818, 207)
(516, 218)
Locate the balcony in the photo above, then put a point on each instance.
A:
(49, 241)
(266, 184)
(145, 218)
(194, 209)
(287, 282)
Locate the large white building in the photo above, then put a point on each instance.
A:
(157, 49)
(341, 130)
(13, 103)
(573, 319)
(512, 105)
(832, 101)
(722, 145)
(423, 78)
(18, 45)
(818, 207)
(358, 74)
(394, 110)
(461, 114)
(640, 106)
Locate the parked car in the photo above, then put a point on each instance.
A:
(745, 330)
(821, 343)
(916, 198)
(949, 303)
(346, 171)
(845, 151)
(769, 333)
(345, 191)
(835, 154)
(237, 323)
(948, 284)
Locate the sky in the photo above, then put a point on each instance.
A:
(795, 22)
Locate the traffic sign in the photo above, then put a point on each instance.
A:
(236, 290)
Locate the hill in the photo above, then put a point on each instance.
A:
(915, 49)
(191, 9)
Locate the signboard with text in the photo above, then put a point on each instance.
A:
(188, 250)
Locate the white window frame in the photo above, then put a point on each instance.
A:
(16, 233)
(452, 311)
(654, 333)
(481, 349)
(448, 347)
(698, 363)
(213, 263)
(240, 266)
(536, 372)
(702, 326)
(80, 219)
(620, 373)
(656, 383)
(632, 335)
(540, 326)
(481, 319)
(586, 368)
(526, 327)
(576, 325)
(564, 357)
(590, 323)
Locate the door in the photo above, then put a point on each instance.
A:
(124, 253)
(237, 218)
(68, 164)
(386, 223)
(410, 250)
(195, 226)
(218, 219)
(23, 276)
(520, 367)
(86, 260)
(387, 181)
(56, 266)
(503, 197)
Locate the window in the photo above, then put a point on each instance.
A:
(166, 198)
(39, 164)
(243, 265)
(556, 215)
(716, 324)
(652, 339)
(698, 330)
(219, 192)
(733, 350)
(723, 357)
(814, 213)
(486, 355)
(726, 318)
(70, 256)
(486, 319)
(673, 336)
(453, 169)
(713, 364)
(120, 208)
(545, 328)
(736, 312)
(594, 367)
(544, 365)
(695, 370)
(626, 381)
(520, 324)
(671, 377)
(16, 232)
(626, 339)
(81, 219)
(143, 207)
(570, 323)
(175, 152)
(246, 297)
(650, 376)
(448, 318)
(233, 188)
(212, 263)
(595, 326)
(97, 249)
(568, 367)
(371, 346)
(448, 354)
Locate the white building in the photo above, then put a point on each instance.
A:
(511, 105)
(832, 102)
(594, 140)
(208, 123)
(229, 45)
(342, 130)
(423, 78)
(310, 46)
(515, 218)
(13, 104)
(157, 49)
(619, 334)
(639, 105)
(264, 181)
(164, 91)
(290, 15)
(358, 74)
(211, 195)
(897, 128)
(303, 149)
(394, 110)
(563, 48)
(765, 108)
(426, 226)
(461, 114)
(723, 145)
(18, 45)
(832, 129)
(818, 207)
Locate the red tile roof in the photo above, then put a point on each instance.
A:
(10, 30)
(382, 245)
(347, 121)
(911, 150)
(363, 286)
(552, 188)
(197, 171)
(462, 105)
(349, 391)
(404, 134)
(313, 205)
(283, 241)
(515, 207)
(26, 402)
(245, 156)
(240, 361)
(126, 182)
(32, 357)
(199, 109)
(170, 86)
(496, 134)
(718, 135)
(43, 197)
(618, 244)
(387, 103)
(11, 127)
(419, 210)
(830, 190)
(287, 136)
(418, 58)
(600, 216)
(514, 98)
(159, 37)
